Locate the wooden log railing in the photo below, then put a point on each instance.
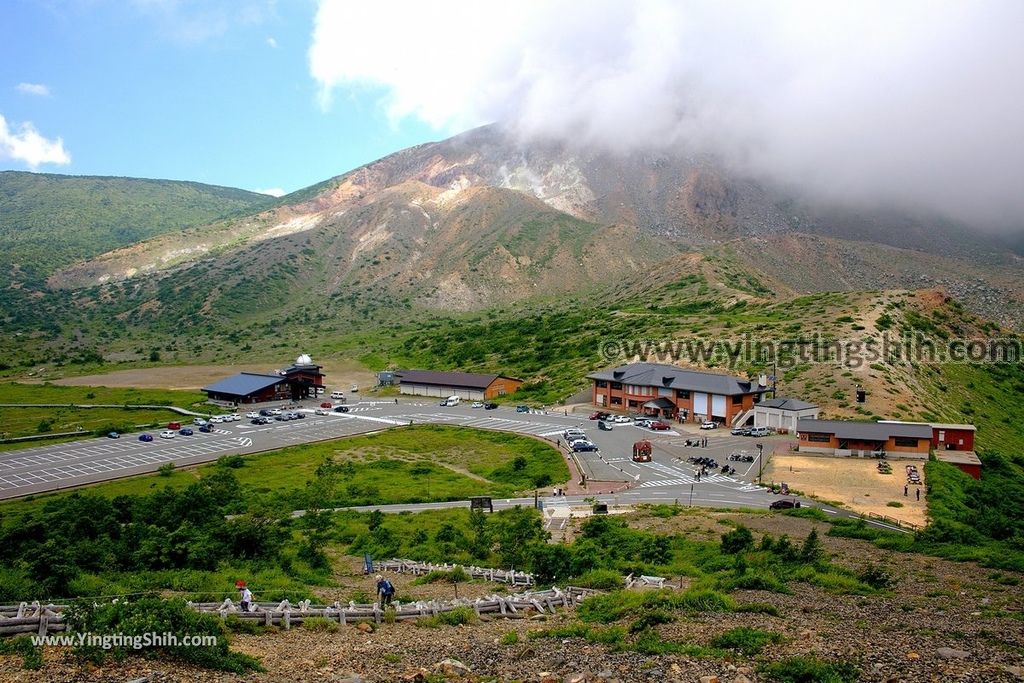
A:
(511, 577)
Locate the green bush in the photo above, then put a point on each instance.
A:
(138, 618)
(510, 638)
(747, 641)
(31, 656)
(600, 579)
(809, 669)
(454, 617)
(737, 541)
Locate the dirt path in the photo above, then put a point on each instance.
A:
(854, 483)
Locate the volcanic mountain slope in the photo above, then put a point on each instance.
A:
(482, 218)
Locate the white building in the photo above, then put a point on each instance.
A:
(782, 413)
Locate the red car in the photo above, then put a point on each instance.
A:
(326, 404)
(658, 425)
(598, 415)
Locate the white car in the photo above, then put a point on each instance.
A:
(708, 424)
(322, 411)
(252, 414)
(574, 435)
(216, 419)
(234, 417)
(621, 419)
(167, 434)
(275, 411)
(199, 422)
(477, 404)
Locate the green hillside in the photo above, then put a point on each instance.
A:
(48, 221)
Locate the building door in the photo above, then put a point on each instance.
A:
(700, 405)
(718, 406)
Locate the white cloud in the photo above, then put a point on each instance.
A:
(34, 89)
(28, 146)
(272, 42)
(916, 102)
(272, 191)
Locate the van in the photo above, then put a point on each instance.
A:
(337, 394)
(451, 401)
(760, 432)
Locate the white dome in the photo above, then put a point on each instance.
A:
(304, 359)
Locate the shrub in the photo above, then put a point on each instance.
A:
(31, 656)
(601, 579)
(737, 541)
(165, 470)
(809, 669)
(650, 619)
(747, 641)
(320, 625)
(510, 638)
(455, 617)
(156, 615)
(876, 577)
(758, 608)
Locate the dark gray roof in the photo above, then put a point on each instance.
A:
(311, 367)
(466, 380)
(786, 404)
(662, 375)
(244, 383)
(661, 402)
(877, 431)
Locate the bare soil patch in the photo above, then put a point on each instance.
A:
(854, 483)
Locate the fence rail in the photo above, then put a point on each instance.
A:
(512, 577)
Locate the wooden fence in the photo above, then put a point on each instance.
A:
(513, 578)
(43, 619)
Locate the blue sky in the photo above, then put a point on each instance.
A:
(218, 93)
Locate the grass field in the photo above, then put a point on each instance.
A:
(396, 466)
(26, 421)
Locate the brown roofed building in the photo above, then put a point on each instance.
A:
(467, 385)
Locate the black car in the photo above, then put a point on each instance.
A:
(298, 416)
(341, 409)
(490, 406)
(265, 413)
(206, 429)
(784, 504)
(186, 431)
(260, 421)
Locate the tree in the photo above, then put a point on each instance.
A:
(812, 551)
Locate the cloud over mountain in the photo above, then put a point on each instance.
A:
(915, 103)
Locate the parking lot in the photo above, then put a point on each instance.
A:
(71, 464)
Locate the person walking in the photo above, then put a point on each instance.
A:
(385, 591)
(919, 493)
(905, 490)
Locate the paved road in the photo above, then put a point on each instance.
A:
(667, 479)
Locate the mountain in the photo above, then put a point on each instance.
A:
(483, 218)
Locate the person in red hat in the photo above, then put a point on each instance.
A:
(246, 595)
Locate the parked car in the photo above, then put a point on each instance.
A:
(199, 422)
(283, 417)
(760, 432)
(327, 404)
(206, 429)
(490, 406)
(233, 417)
(145, 437)
(740, 431)
(322, 411)
(216, 420)
(265, 413)
(784, 504)
(298, 416)
(168, 434)
(260, 420)
(186, 431)
(274, 412)
(599, 415)
(174, 425)
(642, 422)
(582, 446)
(522, 409)
(341, 409)
(337, 394)
(621, 419)
(658, 425)
(573, 434)
(113, 435)
(252, 414)
(708, 424)
(477, 404)
(604, 425)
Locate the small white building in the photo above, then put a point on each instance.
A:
(782, 413)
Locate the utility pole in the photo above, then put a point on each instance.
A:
(760, 460)
(691, 495)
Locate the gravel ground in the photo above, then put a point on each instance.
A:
(943, 621)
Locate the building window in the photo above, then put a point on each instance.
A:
(819, 438)
(737, 400)
(616, 385)
(633, 404)
(602, 384)
(682, 393)
(905, 441)
(616, 401)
